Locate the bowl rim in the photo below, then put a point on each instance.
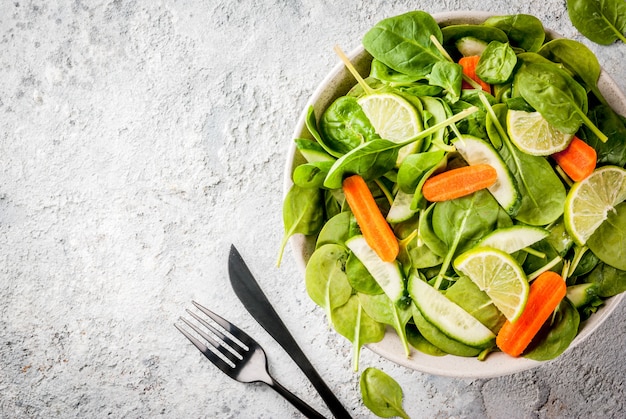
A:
(497, 364)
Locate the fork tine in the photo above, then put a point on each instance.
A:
(230, 353)
(228, 326)
(231, 345)
(214, 358)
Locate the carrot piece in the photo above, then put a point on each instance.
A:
(376, 231)
(544, 296)
(459, 182)
(469, 65)
(578, 160)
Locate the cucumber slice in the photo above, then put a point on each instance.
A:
(512, 239)
(401, 208)
(468, 46)
(582, 294)
(505, 191)
(387, 274)
(447, 316)
(439, 339)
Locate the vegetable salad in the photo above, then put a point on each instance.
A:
(473, 172)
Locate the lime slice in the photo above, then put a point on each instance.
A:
(589, 201)
(394, 118)
(499, 276)
(532, 134)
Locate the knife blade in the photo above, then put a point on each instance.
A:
(251, 295)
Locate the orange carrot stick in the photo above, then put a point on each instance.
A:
(377, 232)
(544, 296)
(578, 160)
(459, 182)
(469, 65)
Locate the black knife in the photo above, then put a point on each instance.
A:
(257, 304)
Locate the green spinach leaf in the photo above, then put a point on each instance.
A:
(325, 277)
(610, 281)
(496, 63)
(303, 213)
(345, 126)
(556, 335)
(403, 43)
(608, 242)
(523, 31)
(353, 323)
(601, 21)
(556, 95)
(449, 77)
(383, 310)
(311, 175)
(381, 394)
(576, 58)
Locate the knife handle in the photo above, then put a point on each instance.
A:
(292, 348)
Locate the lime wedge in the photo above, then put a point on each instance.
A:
(394, 118)
(499, 276)
(532, 134)
(589, 201)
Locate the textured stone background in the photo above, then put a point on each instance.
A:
(139, 140)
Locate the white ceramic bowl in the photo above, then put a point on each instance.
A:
(336, 84)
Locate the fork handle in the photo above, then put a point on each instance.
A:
(307, 410)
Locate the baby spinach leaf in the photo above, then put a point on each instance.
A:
(496, 63)
(381, 394)
(460, 223)
(360, 278)
(383, 310)
(303, 213)
(556, 95)
(353, 323)
(311, 124)
(311, 175)
(613, 151)
(556, 335)
(601, 21)
(577, 58)
(384, 73)
(543, 193)
(403, 43)
(345, 126)
(608, 242)
(610, 281)
(370, 160)
(325, 277)
(420, 343)
(415, 166)
(338, 229)
(449, 77)
(523, 31)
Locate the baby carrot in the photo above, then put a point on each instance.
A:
(459, 182)
(377, 232)
(578, 160)
(544, 296)
(469, 65)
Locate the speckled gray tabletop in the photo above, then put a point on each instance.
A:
(139, 140)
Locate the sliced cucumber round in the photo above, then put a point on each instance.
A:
(447, 316)
(439, 339)
(468, 46)
(387, 274)
(514, 238)
(505, 191)
(401, 208)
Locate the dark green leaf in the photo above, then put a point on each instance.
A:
(523, 31)
(381, 394)
(403, 43)
(344, 126)
(602, 21)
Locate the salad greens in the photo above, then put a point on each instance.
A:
(602, 21)
(417, 60)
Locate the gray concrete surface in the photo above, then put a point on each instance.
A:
(139, 140)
